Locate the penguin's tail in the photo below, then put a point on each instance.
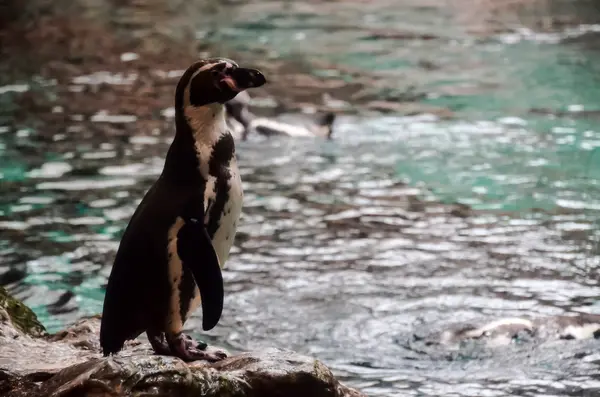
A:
(110, 345)
(112, 337)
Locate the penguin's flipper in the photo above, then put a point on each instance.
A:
(196, 251)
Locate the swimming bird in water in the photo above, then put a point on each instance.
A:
(170, 257)
(243, 122)
(504, 330)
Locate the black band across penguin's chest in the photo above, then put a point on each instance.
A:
(218, 168)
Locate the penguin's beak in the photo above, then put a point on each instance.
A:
(240, 79)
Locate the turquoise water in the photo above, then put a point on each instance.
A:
(501, 154)
(349, 248)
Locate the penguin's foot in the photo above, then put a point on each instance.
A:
(187, 349)
(160, 345)
(193, 343)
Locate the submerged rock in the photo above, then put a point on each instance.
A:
(69, 363)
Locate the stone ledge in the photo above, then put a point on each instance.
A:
(69, 364)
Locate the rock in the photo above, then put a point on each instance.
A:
(69, 363)
(270, 373)
(18, 316)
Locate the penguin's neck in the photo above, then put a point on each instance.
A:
(198, 129)
(207, 123)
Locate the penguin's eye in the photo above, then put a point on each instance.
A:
(219, 67)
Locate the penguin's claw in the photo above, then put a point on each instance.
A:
(220, 354)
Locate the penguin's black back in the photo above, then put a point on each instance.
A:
(139, 274)
(138, 290)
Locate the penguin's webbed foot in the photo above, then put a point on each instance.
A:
(161, 346)
(187, 349)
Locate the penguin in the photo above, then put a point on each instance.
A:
(242, 121)
(170, 256)
(504, 330)
(238, 115)
(499, 332)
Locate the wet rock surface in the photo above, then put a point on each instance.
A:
(68, 363)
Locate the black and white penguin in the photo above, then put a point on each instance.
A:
(504, 330)
(243, 122)
(171, 254)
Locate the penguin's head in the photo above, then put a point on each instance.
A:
(214, 81)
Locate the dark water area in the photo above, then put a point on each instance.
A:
(461, 184)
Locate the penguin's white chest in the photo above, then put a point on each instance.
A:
(228, 218)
